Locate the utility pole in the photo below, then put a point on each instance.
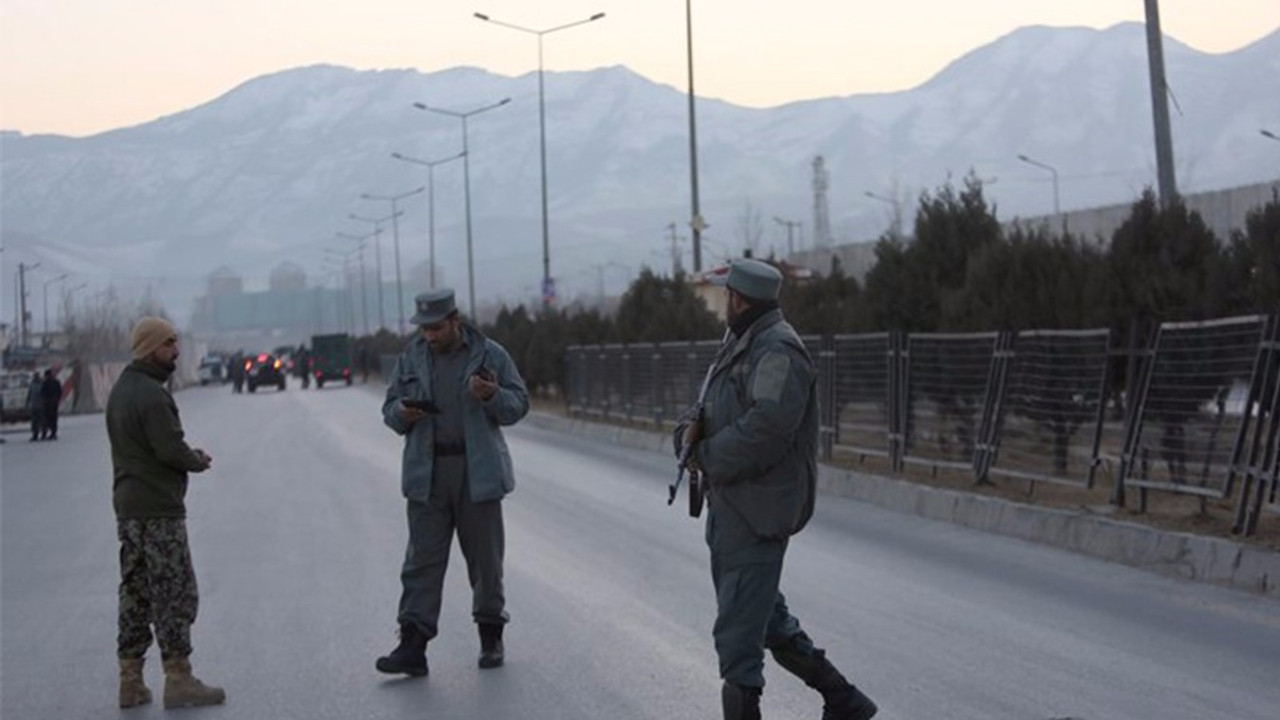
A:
(677, 264)
(1160, 106)
(24, 317)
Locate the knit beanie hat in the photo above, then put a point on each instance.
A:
(149, 334)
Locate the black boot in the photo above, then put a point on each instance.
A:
(491, 651)
(740, 703)
(409, 657)
(841, 700)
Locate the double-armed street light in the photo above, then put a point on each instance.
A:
(431, 205)
(466, 187)
(395, 234)
(1045, 166)
(548, 286)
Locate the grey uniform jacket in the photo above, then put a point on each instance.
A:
(759, 450)
(489, 471)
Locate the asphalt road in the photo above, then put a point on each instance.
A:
(298, 532)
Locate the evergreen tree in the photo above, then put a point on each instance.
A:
(659, 309)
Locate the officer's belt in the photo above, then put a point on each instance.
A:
(459, 448)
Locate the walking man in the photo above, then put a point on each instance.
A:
(51, 396)
(450, 394)
(756, 447)
(35, 405)
(151, 459)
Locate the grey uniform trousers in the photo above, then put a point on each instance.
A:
(431, 527)
(751, 613)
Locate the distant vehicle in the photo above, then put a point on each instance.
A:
(13, 395)
(331, 358)
(212, 370)
(263, 369)
(285, 354)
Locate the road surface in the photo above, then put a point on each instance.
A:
(297, 534)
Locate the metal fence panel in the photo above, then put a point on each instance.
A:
(946, 387)
(863, 398)
(1053, 400)
(1194, 409)
(1259, 460)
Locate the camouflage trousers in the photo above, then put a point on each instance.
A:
(157, 588)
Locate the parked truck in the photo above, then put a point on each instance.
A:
(331, 358)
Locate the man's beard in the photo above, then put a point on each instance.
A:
(168, 365)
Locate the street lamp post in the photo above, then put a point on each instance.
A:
(548, 287)
(364, 290)
(1044, 166)
(377, 251)
(68, 297)
(696, 223)
(431, 205)
(896, 228)
(346, 280)
(395, 234)
(466, 188)
(45, 301)
(791, 226)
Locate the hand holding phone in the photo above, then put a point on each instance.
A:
(425, 406)
(484, 384)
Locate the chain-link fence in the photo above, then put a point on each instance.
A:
(1197, 414)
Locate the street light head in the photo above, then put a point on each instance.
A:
(482, 16)
(597, 16)
(420, 106)
(504, 101)
(1268, 134)
(1024, 158)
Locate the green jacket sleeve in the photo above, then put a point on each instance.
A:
(164, 432)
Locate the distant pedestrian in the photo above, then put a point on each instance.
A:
(51, 396)
(35, 405)
(450, 394)
(756, 446)
(151, 459)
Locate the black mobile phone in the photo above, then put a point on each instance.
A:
(485, 374)
(424, 405)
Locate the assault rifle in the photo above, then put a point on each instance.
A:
(696, 489)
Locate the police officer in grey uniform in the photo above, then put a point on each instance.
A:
(450, 394)
(756, 447)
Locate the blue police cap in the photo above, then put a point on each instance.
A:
(754, 279)
(433, 306)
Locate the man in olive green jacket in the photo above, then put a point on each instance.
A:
(151, 459)
(756, 446)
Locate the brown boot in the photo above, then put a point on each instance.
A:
(182, 689)
(133, 690)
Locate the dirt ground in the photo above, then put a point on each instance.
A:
(1170, 511)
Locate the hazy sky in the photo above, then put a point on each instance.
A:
(79, 67)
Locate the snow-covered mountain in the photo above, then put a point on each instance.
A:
(270, 171)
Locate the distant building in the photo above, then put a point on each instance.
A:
(287, 276)
(224, 280)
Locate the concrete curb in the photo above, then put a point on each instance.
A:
(1183, 555)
